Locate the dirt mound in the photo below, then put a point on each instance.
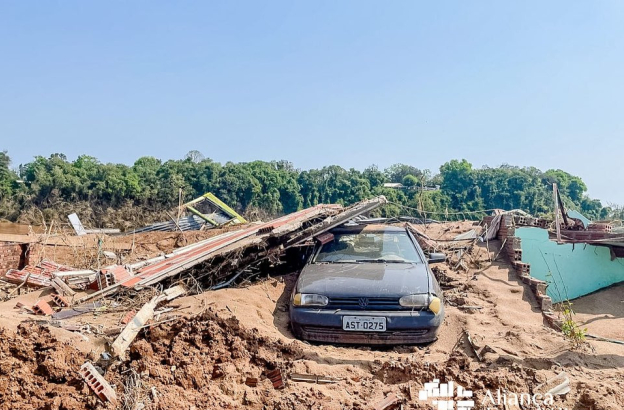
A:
(204, 363)
(38, 371)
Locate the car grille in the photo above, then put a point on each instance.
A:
(333, 335)
(331, 330)
(365, 303)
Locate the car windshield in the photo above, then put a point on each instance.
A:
(369, 247)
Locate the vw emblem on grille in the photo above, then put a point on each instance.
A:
(363, 302)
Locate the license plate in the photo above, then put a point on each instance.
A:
(364, 323)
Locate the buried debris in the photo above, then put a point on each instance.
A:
(313, 378)
(132, 329)
(97, 383)
(276, 378)
(251, 381)
(472, 346)
(391, 401)
(139, 321)
(128, 317)
(557, 386)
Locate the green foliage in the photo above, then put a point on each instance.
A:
(571, 330)
(396, 172)
(410, 181)
(7, 177)
(276, 187)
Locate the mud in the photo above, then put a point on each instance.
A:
(37, 371)
(202, 359)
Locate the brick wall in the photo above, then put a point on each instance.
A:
(12, 256)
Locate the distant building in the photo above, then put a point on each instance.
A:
(398, 185)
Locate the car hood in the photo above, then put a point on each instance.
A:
(364, 279)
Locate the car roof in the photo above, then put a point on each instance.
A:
(368, 228)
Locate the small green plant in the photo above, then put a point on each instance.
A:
(571, 330)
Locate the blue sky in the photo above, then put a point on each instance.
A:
(351, 83)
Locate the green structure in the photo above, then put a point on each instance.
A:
(571, 271)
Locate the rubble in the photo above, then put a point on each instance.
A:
(141, 318)
(42, 308)
(189, 347)
(390, 402)
(313, 378)
(39, 275)
(97, 383)
(275, 376)
(204, 212)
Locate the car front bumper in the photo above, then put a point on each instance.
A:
(403, 327)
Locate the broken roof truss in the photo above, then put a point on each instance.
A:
(218, 258)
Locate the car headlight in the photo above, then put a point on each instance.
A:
(419, 301)
(425, 300)
(310, 299)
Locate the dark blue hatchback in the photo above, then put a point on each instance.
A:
(367, 284)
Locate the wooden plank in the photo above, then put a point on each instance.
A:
(130, 332)
(9, 237)
(62, 288)
(138, 322)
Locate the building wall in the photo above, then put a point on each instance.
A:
(570, 270)
(11, 256)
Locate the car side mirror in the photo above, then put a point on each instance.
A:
(437, 257)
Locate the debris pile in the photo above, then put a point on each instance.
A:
(158, 338)
(205, 212)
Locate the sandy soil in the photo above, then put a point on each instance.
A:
(602, 313)
(201, 359)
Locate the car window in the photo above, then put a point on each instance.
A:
(369, 247)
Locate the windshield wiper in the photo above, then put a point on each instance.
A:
(341, 261)
(383, 261)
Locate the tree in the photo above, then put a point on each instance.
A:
(277, 187)
(410, 181)
(194, 156)
(7, 177)
(458, 183)
(396, 172)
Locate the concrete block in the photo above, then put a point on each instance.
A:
(97, 383)
(43, 308)
(523, 268)
(128, 317)
(539, 286)
(60, 301)
(546, 303)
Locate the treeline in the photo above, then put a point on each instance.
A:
(277, 187)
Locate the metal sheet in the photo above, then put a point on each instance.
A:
(75, 221)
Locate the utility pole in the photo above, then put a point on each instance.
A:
(556, 200)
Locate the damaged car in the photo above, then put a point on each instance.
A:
(367, 284)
